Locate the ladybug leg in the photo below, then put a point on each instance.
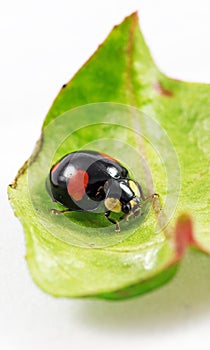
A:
(56, 211)
(149, 198)
(113, 221)
(99, 192)
(125, 217)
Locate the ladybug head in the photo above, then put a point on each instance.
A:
(122, 195)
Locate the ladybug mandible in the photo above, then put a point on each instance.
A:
(82, 180)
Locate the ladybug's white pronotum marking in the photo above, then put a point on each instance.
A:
(134, 188)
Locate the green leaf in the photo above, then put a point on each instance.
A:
(164, 134)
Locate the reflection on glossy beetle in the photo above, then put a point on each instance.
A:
(83, 180)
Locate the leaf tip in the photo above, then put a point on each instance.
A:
(133, 18)
(134, 15)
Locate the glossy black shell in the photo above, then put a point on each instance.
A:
(100, 169)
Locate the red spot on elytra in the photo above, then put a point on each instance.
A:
(183, 234)
(160, 89)
(77, 184)
(55, 167)
(104, 155)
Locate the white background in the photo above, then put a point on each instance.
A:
(43, 43)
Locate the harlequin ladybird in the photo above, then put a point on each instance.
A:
(83, 180)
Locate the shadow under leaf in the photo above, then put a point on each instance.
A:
(186, 296)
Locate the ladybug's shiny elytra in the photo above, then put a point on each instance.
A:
(83, 180)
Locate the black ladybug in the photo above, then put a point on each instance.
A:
(82, 180)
